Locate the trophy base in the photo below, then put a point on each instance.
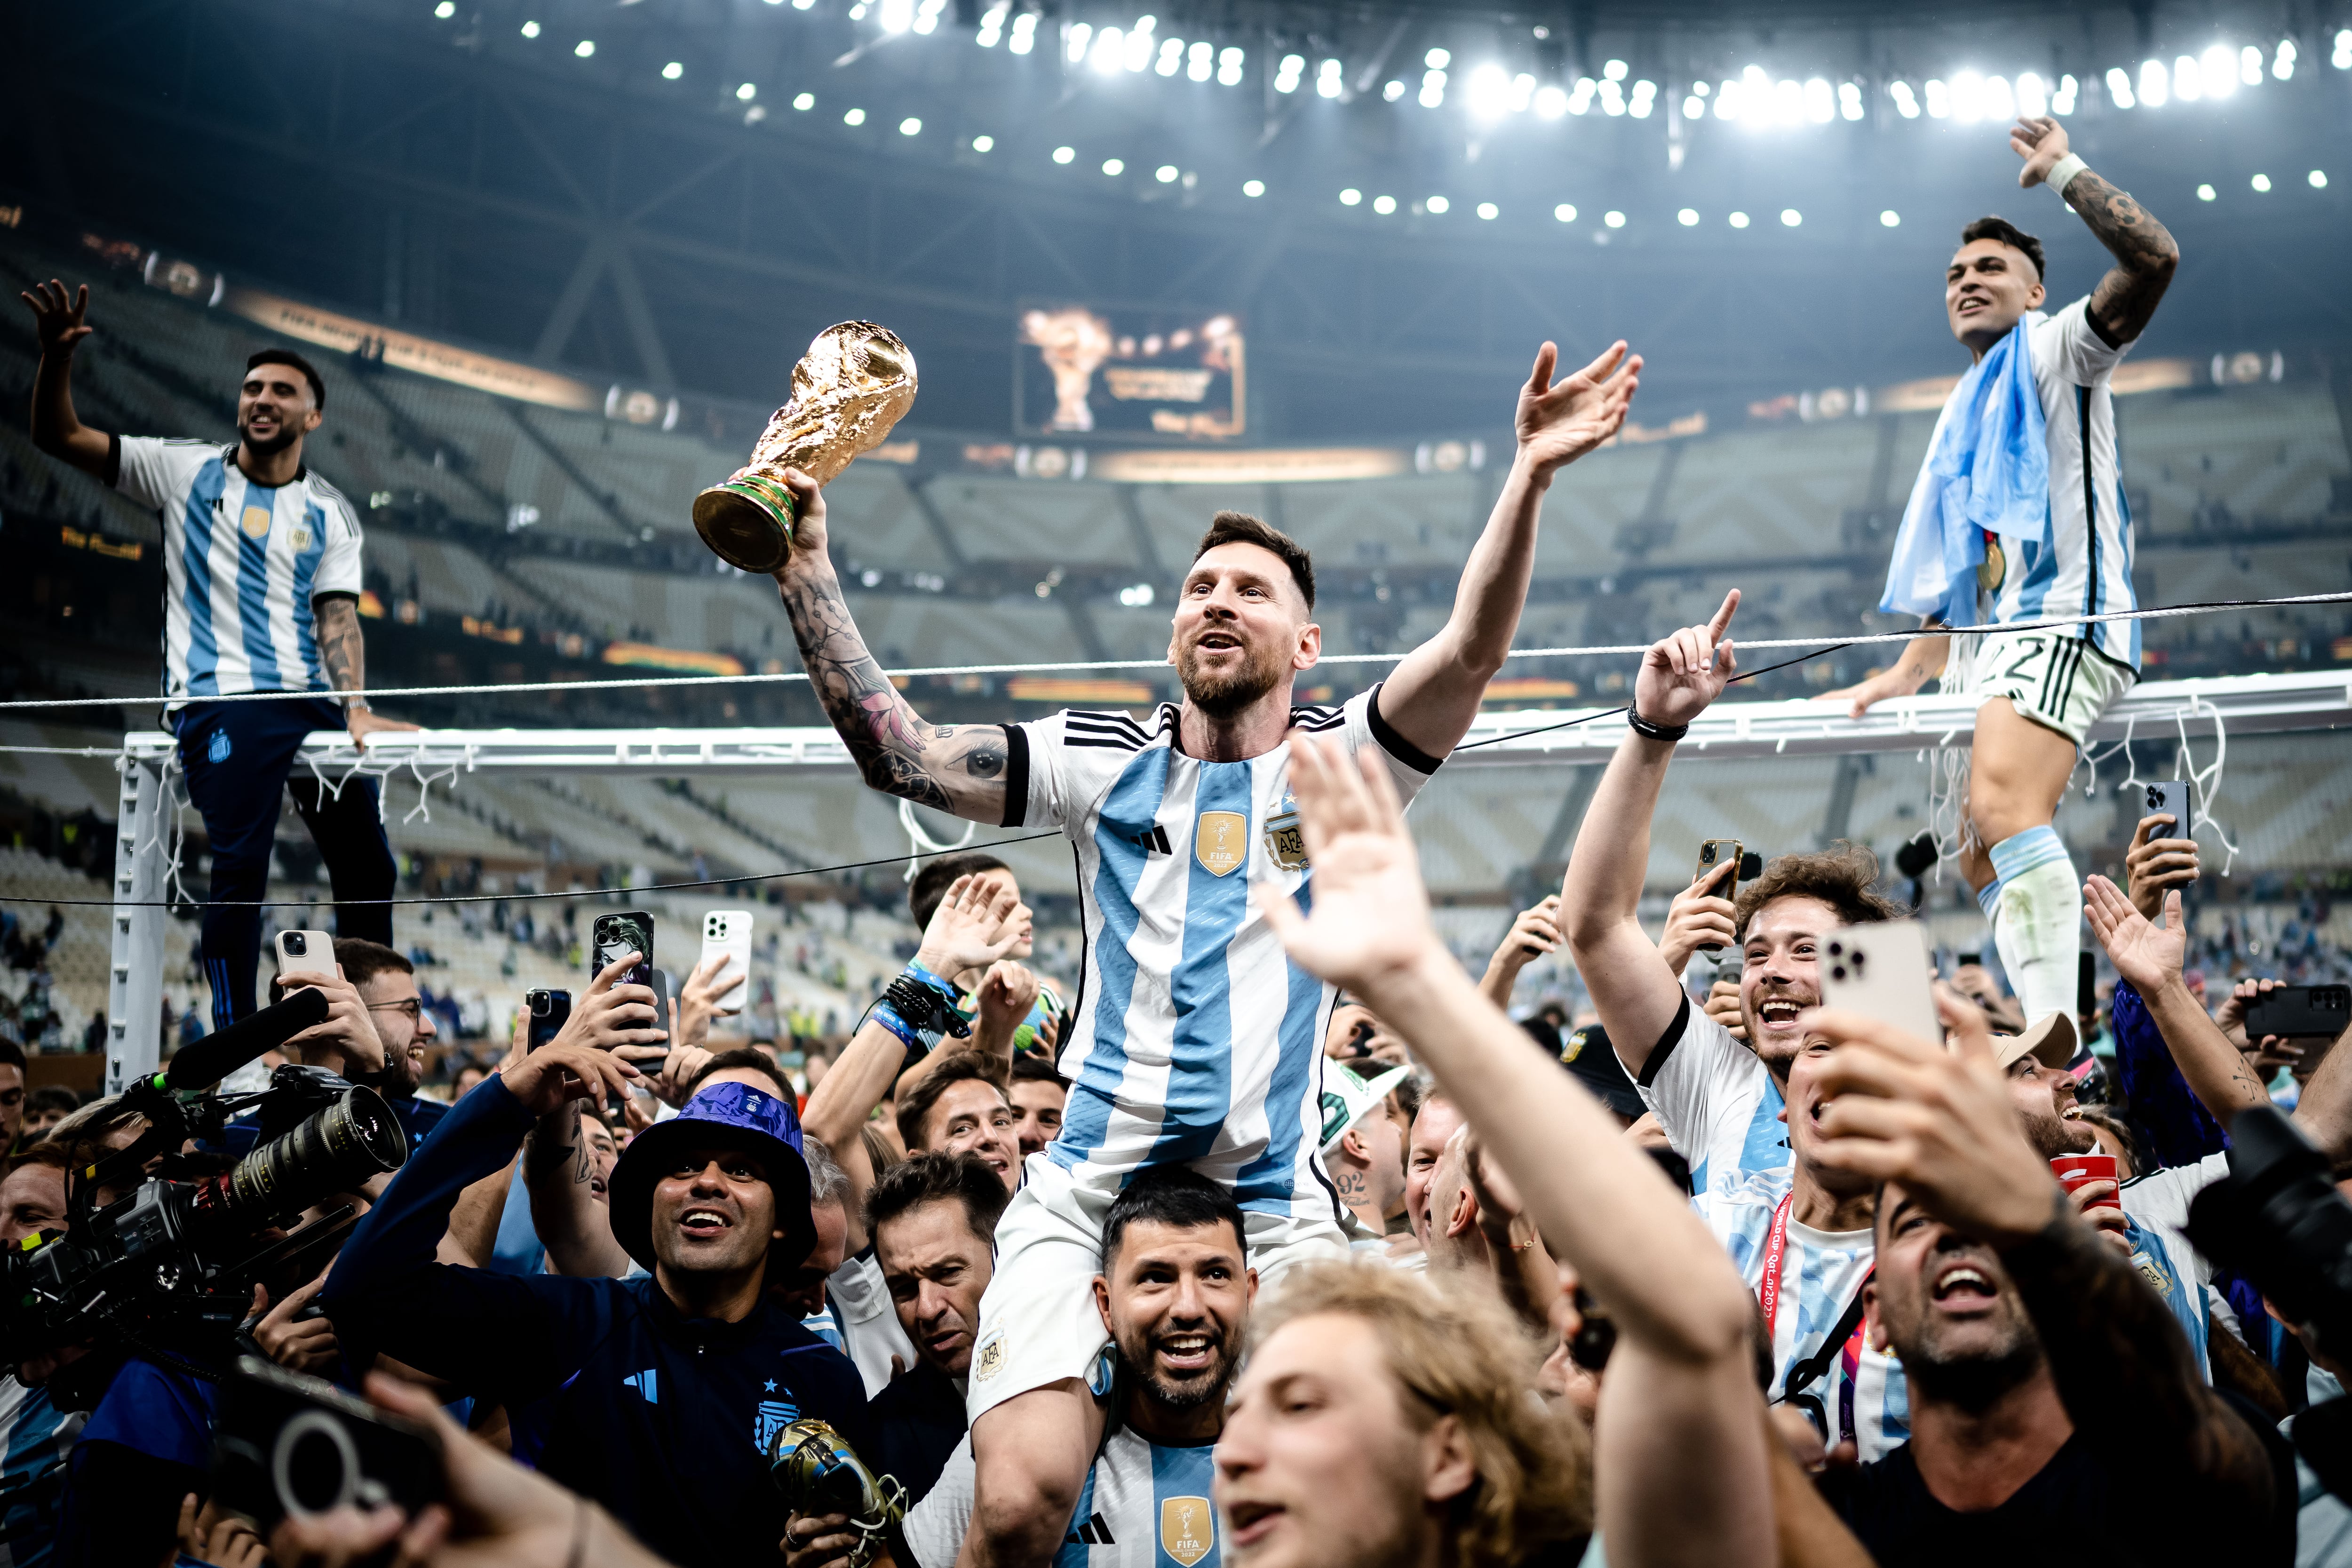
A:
(747, 523)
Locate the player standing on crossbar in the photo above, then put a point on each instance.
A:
(1193, 1040)
(2019, 515)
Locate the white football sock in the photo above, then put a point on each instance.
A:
(2037, 930)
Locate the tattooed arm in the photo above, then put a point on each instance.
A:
(336, 618)
(956, 768)
(2144, 251)
(558, 1172)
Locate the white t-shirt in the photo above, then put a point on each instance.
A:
(858, 1308)
(2087, 567)
(241, 564)
(1194, 1039)
(1143, 1506)
(1821, 1272)
(2158, 1207)
(1720, 1109)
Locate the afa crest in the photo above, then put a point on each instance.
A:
(1285, 841)
(990, 1359)
(772, 1416)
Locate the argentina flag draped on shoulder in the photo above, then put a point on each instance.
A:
(1988, 471)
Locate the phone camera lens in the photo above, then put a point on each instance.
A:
(295, 941)
(1837, 972)
(1837, 947)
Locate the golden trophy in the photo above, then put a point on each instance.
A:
(819, 1474)
(855, 382)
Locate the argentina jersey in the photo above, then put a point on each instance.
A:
(2086, 566)
(1862, 1391)
(1720, 1109)
(40, 1439)
(241, 564)
(1142, 1506)
(2156, 1208)
(1192, 1039)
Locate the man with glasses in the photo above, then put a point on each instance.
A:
(377, 1031)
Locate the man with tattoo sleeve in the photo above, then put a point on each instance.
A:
(2019, 516)
(1193, 1040)
(261, 583)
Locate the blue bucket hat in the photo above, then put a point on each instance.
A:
(758, 1121)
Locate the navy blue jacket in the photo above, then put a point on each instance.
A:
(662, 1418)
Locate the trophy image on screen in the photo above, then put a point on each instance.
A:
(1073, 343)
(855, 382)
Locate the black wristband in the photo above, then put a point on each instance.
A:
(1649, 732)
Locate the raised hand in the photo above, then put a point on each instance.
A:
(307, 1346)
(1699, 918)
(1534, 933)
(1371, 919)
(2041, 142)
(57, 317)
(346, 1029)
(2148, 954)
(1557, 425)
(2154, 865)
(1682, 673)
(808, 522)
(556, 1074)
(972, 928)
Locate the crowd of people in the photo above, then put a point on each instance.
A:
(1278, 1243)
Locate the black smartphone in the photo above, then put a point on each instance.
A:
(1972, 960)
(550, 1011)
(629, 931)
(2086, 985)
(289, 1444)
(2300, 1012)
(664, 991)
(2170, 796)
(1713, 854)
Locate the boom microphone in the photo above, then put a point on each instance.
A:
(216, 1055)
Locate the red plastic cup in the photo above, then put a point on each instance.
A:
(2074, 1170)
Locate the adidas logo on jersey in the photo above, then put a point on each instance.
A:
(1096, 1531)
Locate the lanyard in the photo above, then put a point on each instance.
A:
(1768, 1295)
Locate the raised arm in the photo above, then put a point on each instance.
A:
(1680, 1398)
(1632, 988)
(57, 323)
(1434, 694)
(956, 768)
(2144, 251)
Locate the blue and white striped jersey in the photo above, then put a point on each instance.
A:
(1194, 1039)
(2087, 567)
(1142, 1506)
(1821, 1272)
(2157, 1204)
(1720, 1109)
(241, 564)
(38, 1438)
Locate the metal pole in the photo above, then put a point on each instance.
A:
(134, 990)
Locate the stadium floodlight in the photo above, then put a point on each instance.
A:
(802, 4)
(2318, 178)
(2217, 70)
(805, 103)
(1110, 43)
(1890, 219)
(1687, 217)
(1328, 83)
(1523, 92)
(1138, 597)
(2283, 62)
(1432, 86)
(1551, 102)
(1200, 60)
(910, 126)
(1391, 90)
(1253, 188)
(1580, 100)
(984, 143)
(1229, 67)
(1351, 196)
(2342, 56)
(1437, 59)
(672, 71)
(1612, 98)
(1172, 57)
(1074, 39)
(2250, 66)
(2260, 182)
(2119, 90)
(585, 48)
(1968, 97)
(531, 29)
(1613, 219)
(2062, 101)
(855, 117)
(1439, 205)
(1489, 211)
(2000, 101)
(2155, 86)
(992, 25)
(897, 15)
(1564, 213)
(2188, 79)
(1384, 204)
(1791, 217)
(1489, 92)
(1114, 167)
(1906, 102)
(1140, 42)
(446, 9)
(1938, 98)
(2206, 193)
(1064, 155)
(1849, 100)
(1286, 75)
(1738, 220)
(1820, 101)
(1024, 34)
(1695, 107)
(1727, 101)
(746, 93)
(1615, 70)
(2033, 95)
(927, 15)
(1165, 174)
(1645, 94)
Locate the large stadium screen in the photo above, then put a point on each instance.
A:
(1175, 375)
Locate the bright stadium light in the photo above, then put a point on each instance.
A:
(2206, 193)
(672, 71)
(1968, 97)
(1110, 44)
(855, 117)
(2260, 182)
(1938, 98)
(1064, 155)
(1025, 33)
(805, 103)
(1612, 98)
(1615, 70)
(1384, 204)
(1999, 102)
(2342, 56)
(992, 25)
(1580, 100)
(1820, 101)
(2283, 62)
(1327, 80)
(2250, 66)
(1787, 100)
(1489, 92)
(897, 15)
(2318, 178)
(1613, 219)
(746, 93)
(1730, 100)
(446, 9)
(984, 143)
(1433, 85)
(910, 126)
(531, 29)
(927, 15)
(1200, 61)
(2188, 79)
(1791, 217)
(1285, 77)
(2119, 90)
(1564, 213)
(1738, 220)
(1687, 217)
(1906, 102)
(1489, 211)
(1172, 57)
(2062, 101)
(1229, 67)
(1165, 174)
(1140, 42)
(2154, 87)
(1437, 59)
(1439, 205)
(1551, 101)
(584, 48)
(1351, 196)
(1114, 167)
(1253, 188)
(1849, 100)
(2033, 95)
(1890, 219)
(1391, 90)
(1074, 39)
(1645, 95)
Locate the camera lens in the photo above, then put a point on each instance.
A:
(296, 943)
(337, 1148)
(313, 1464)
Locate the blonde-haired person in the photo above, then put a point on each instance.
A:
(1679, 1398)
(1382, 1420)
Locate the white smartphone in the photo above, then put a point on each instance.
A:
(306, 953)
(1882, 971)
(728, 934)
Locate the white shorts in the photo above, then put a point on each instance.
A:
(2060, 682)
(1038, 1322)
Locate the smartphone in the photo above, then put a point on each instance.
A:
(1972, 960)
(288, 1444)
(305, 953)
(2172, 796)
(663, 993)
(728, 934)
(1713, 854)
(2305, 1011)
(2086, 985)
(1882, 971)
(2074, 1170)
(550, 1011)
(630, 931)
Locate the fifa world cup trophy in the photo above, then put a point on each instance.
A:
(855, 382)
